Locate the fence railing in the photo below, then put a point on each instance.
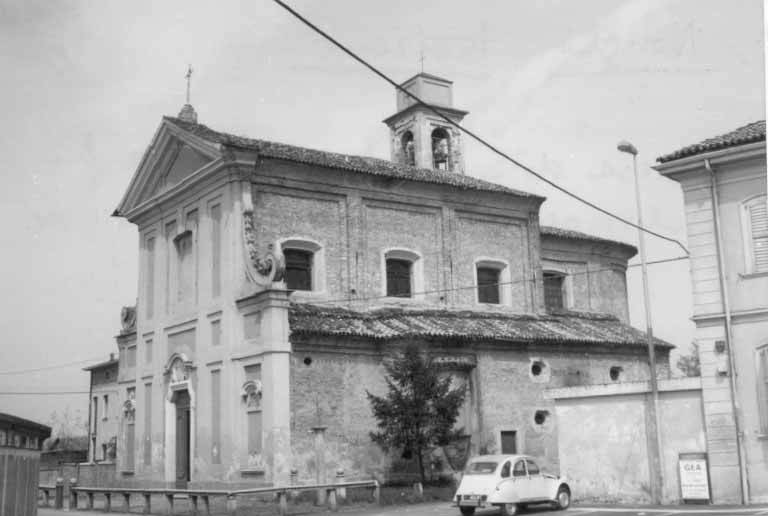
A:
(201, 498)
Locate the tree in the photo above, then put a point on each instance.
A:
(69, 431)
(689, 364)
(420, 408)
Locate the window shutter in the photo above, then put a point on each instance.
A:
(762, 388)
(488, 285)
(298, 269)
(398, 278)
(553, 291)
(758, 218)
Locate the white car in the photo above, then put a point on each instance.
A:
(508, 481)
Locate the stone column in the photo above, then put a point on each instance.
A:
(320, 469)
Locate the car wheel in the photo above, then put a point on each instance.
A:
(563, 499)
(467, 511)
(509, 509)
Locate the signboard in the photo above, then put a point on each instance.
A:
(694, 476)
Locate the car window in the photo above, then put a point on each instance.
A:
(519, 470)
(533, 469)
(505, 470)
(481, 468)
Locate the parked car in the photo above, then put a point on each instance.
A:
(509, 482)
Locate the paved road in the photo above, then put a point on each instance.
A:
(445, 509)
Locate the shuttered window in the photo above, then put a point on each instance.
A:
(553, 291)
(298, 269)
(756, 213)
(488, 285)
(398, 278)
(762, 388)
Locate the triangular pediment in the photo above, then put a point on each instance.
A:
(173, 156)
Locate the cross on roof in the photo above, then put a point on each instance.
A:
(189, 80)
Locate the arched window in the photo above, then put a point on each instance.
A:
(407, 148)
(492, 278)
(403, 273)
(304, 264)
(441, 149)
(554, 290)
(755, 226)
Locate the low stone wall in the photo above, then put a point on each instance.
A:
(603, 442)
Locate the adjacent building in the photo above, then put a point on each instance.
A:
(724, 188)
(20, 443)
(274, 280)
(104, 411)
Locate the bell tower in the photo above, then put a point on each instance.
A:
(420, 138)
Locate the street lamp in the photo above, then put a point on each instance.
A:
(653, 421)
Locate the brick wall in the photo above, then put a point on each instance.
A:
(330, 392)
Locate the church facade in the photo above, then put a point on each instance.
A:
(274, 281)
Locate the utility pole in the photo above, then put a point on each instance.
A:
(652, 420)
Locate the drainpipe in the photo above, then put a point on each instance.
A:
(725, 299)
(91, 443)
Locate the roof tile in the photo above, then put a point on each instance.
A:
(569, 328)
(362, 164)
(750, 133)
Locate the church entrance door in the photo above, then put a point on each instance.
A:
(182, 439)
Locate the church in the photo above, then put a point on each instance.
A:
(275, 280)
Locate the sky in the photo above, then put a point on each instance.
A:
(555, 83)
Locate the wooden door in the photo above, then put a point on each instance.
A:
(182, 440)
(509, 442)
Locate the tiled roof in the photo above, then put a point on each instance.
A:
(750, 133)
(578, 235)
(569, 328)
(111, 361)
(362, 164)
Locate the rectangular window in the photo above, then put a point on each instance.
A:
(150, 284)
(147, 424)
(298, 269)
(215, 213)
(398, 278)
(130, 356)
(216, 333)
(106, 407)
(553, 291)
(488, 285)
(762, 388)
(216, 416)
(148, 351)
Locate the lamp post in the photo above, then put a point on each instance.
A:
(652, 426)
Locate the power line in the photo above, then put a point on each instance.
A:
(477, 138)
(41, 393)
(47, 368)
(666, 260)
(588, 271)
(346, 300)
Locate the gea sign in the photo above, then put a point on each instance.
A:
(694, 480)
